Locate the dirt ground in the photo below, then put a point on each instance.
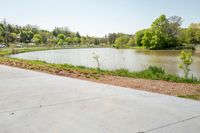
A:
(156, 86)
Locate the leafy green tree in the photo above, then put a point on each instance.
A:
(10, 28)
(61, 36)
(45, 35)
(78, 35)
(1, 39)
(138, 37)
(60, 42)
(103, 40)
(13, 37)
(51, 40)
(193, 33)
(72, 34)
(131, 41)
(61, 30)
(83, 41)
(69, 40)
(26, 36)
(112, 37)
(197, 36)
(76, 40)
(60, 39)
(96, 41)
(182, 35)
(161, 34)
(5, 32)
(121, 42)
(186, 58)
(37, 39)
(33, 28)
(146, 39)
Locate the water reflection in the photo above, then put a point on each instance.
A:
(111, 59)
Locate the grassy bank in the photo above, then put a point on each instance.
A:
(194, 96)
(152, 79)
(151, 72)
(154, 73)
(9, 51)
(81, 72)
(191, 47)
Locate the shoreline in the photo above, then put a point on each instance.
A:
(185, 90)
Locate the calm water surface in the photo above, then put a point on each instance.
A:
(112, 59)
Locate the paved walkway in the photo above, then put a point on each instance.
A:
(33, 102)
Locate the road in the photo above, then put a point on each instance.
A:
(34, 102)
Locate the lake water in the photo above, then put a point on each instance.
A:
(112, 59)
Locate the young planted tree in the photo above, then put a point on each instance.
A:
(186, 58)
(96, 58)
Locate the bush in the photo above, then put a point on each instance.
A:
(186, 58)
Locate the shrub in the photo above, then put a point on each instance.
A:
(186, 58)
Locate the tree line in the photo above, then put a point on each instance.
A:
(29, 34)
(162, 34)
(167, 33)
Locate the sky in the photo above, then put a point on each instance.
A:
(97, 17)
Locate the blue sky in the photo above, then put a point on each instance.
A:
(97, 17)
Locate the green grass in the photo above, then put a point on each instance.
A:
(9, 51)
(139, 47)
(194, 97)
(154, 73)
(191, 47)
(191, 96)
(151, 72)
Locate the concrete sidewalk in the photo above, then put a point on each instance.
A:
(33, 102)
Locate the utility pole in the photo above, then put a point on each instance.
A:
(6, 39)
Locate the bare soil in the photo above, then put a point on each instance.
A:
(156, 86)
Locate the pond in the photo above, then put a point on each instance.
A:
(111, 59)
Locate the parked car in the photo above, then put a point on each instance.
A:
(2, 45)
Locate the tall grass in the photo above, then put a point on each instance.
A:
(155, 73)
